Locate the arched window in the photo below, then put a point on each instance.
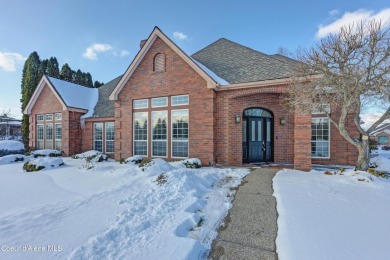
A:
(159, 63)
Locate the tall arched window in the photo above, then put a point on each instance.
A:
(159, 63)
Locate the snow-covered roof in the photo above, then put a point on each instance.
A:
(75, 96)
(214, 76)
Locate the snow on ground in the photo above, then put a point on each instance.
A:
(11, 145)
(112, 211)
(333, 216)
(12, 158)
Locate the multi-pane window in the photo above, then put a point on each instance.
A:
(159, 133)
(180, 133)
(383, 139)
(49, 136)
(58, 136)
(160, 102)
(39, 118)
(40, 140)
(58, 116)
(320, 138)
(109, 137)
(140, 131)
(49, 117)
(179, 100)
(140, 103)
(98, 137)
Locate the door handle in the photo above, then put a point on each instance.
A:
(263, 146)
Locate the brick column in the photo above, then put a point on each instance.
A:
(302, 142)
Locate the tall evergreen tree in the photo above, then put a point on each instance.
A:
(97, 84)
(89, 82)
(43, 67)
(79, 77)
(53, 68)
(30, 79)
(66, 73)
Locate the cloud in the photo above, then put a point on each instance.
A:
(180, 36)
(124, 53)
(370, 118)
(91, 52)
(9, 60)
(349, 18)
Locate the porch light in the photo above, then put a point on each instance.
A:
(283, 121)
(238, 118)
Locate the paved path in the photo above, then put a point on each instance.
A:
(251, 227)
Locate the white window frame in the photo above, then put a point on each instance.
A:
(318, 111)
(105, 136)
(46, 115)
(55, 136)
(147, 134)
(151, 134)
(188, 139)
(47, 140)
(38, 116)
(180, 104)
(160, 98)
(94, 140)
(316, 157)
(58, 116)
(43, 137)
(137, 102)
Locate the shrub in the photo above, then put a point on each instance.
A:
(386, 147)
(192, 165)
(8, 152)
(372, 165)
(28, 167)
(137, 159)
(328, 173)
(377, 173)
(161, 179)
(145, 163)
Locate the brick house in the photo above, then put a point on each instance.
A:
(381, 135)
(223, 105)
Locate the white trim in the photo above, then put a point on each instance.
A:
(185, 104)
(157, 33)
(55, 136)
(105, 137)
(43, 136)
(151, 102)
(50, 120)
(328, 157)
(94, 140)
(147, 133)
(188, 139)
(55, 116)
(44, 81)
(43, 118)
(139, 100)
(151, 134)
(52, 135)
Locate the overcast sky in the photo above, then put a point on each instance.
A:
(103, 38)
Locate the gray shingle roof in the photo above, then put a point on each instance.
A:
(104, 106)
(239, 64)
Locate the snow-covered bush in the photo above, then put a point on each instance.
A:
(192, 163)
(11, 158)
(155, 166)
(90, 158)
(137, 159)
(42, 163)
(11, 147)
(46, 152)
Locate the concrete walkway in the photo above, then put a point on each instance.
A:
(251, 227)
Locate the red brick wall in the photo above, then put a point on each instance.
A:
(47, 103)
(178, 78)
(229, 134)
(73, 132)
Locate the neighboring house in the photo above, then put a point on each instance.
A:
(382, 134)
(9, 127)
(223, 105)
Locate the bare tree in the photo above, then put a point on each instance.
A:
(350, 71)
(5, 117)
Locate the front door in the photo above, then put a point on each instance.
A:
(257, 136)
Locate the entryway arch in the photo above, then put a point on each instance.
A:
(257, 135)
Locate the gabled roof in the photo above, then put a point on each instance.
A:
(70, 95)
(104, 106)
(157, 33)
(236, 63)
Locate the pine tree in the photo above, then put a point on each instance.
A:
(66, 73)
(43, 67)
(89, 82)
(98, 84)
(30, 78)
(53, 68)
(78, 77)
